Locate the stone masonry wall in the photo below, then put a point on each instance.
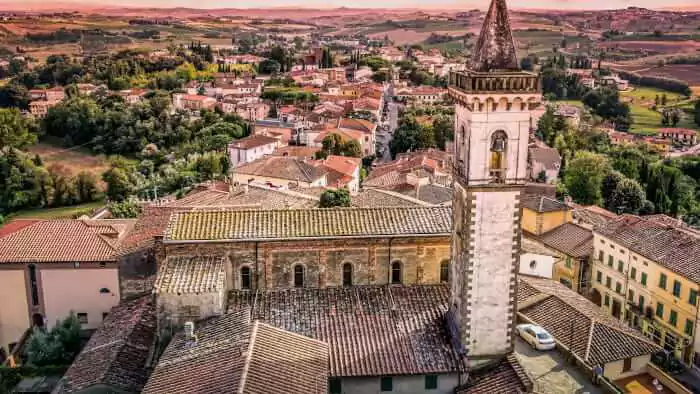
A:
(272, 263)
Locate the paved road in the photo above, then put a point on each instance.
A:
(551, 373)
(384, 137)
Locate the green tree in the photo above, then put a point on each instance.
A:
(335, 198)
(628, 197)
(119, 184)
(20, 181)
(584, 176)
(86, 187)
(125, 209)
(64, 192)
(16, 131)
(56, 347)
(608, 187)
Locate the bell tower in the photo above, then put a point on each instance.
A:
(493, 116)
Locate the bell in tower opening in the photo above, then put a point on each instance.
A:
(499, 140)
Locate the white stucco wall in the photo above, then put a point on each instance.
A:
(78, 290)
(543, 265)
(14, 312)
(407, 384)
(613, 370)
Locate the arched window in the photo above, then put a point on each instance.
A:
(445, 271)
(396, 272)
(298, 275)
(347, 274)
(246, 282)
(499, 146)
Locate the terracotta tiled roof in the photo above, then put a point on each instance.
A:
(246, 196)
(598, 338)
(281, 168)
(370, 330)
(253, 141)
(569, 238)
(344, 133)
(117, 354)
(191, 274)
(66, 240)
(671, 247)
(342, 164)
(543, 204)
(305, 152)
(309, 223)
(431, 194)
(372, 198)
(592, 215)
(234, 355)
(362, 125)
(505, 377)
(16, 225)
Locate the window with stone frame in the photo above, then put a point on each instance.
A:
(396, 272)
(299, 275)
(444, 271)
(246, 282)
(347, 274)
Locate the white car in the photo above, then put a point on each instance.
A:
(536, 336)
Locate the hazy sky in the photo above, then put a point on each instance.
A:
(453, 4)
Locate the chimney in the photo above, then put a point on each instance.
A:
(190, 336)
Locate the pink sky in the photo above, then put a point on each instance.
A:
(452, 4)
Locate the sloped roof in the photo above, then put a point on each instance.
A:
(598, 337)
(541, 204)
(669, 246)
(569, 238)
(343, 164)
(362, 125)
(548, 157)
(117, 353)
(370, 330)
(65, 240)
(191, 274)
(248, 196)
(234, 355)
(253, 141)
(372, 198)
(242, 225)
(281, 167)
(495, 48)
(507, 376)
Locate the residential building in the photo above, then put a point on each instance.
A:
(678, 135)
(251, 148)
(51, 268)
(280, 172)
(193, 102)
(570, 113)
(41, 107)
(644, 273)
(421, 95)
(133, 96)
(614, 81)
(299, 152)
(343, 171)
(544, 164)
(572, 246)
(542, 214)
(536, 259)
(580, 327)
(248, 111)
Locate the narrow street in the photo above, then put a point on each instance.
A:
(551, 373)
(392, 118)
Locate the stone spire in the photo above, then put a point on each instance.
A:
(495, 49)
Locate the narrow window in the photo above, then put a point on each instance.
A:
(618, 288)
(673, 318)
(693, 297)
(662, 281)
(607, 300)
(431, 382)
(630, 295)
(676, 288)
(298, 275)
(620, 266)
(335, 386)
(396, 272)
(633, 273)
(660, 310)
(33, 284)
(386, 384)
(82, 318)
(347, 274)
(245, 278)
(499, 146)
(643, 281)
(444, 271)
(610, 261)
(627, 364)
(688, 327)
(599, 277)
(641, 302)
(608, 282)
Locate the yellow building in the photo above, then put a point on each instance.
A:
(541, 214)
(645, 272)
(50, 268)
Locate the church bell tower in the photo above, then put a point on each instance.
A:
(493, 116)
